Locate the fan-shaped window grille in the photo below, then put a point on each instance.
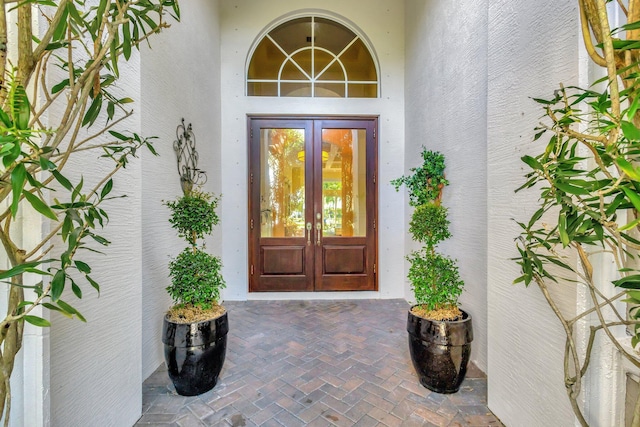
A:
(312, 57)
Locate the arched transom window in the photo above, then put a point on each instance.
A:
(312, 57)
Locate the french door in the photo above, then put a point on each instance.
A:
(312, 204)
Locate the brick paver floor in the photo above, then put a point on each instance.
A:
(317, 363)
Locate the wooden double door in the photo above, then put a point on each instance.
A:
(312, 204)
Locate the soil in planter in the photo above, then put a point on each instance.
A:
(188, 313)
(452, 313)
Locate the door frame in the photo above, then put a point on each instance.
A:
(372, 164)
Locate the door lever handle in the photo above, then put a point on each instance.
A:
(319, 231)
(309, 228)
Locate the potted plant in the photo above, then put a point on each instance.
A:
(195, 328)
(440, 334)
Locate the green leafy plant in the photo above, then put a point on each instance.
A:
(58, 102)
(196, 278)
(435, 279)
(588, 181)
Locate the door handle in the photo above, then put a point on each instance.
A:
(309, 228)
(319, 232)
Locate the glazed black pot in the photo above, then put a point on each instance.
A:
(194, 353)
(440, 351)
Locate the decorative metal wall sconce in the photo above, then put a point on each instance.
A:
(185, 148)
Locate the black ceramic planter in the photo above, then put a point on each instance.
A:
(194, 353)
(440, 351)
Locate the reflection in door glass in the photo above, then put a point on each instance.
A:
(344, 182)
(282, 183)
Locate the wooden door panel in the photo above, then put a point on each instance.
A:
(282, 260)
(344, 259)
(295, 242)
(284, 283)
(279, 258)
(343, 282)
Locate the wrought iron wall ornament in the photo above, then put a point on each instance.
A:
(187, 156)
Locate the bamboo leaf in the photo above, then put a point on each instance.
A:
(69, 309)
(571, 189)
(532, 162)
(37, 321)
(633, 108)
(39, 205)
(119, 136)
(61, 29)
(106, 189)
(76, 289)
(21, 268)
(113, 53)
(94, 110)
(562, 229)
(22, 109)
(77, 189)
(99, 14)
(74, 13)
(46, 164)
(631, 26)
(57, 285)
(62, 180)
(50, 306)
(82, 266)
(18, 178)
(633, 197)
(628, 168)
(6, 120)
(93, 283)
(60, 86)
(630, 131)
(176, 10)
(67, 224)
(628, 282)
(630, 225)
(126, 40)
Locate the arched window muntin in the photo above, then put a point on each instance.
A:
(311, 77)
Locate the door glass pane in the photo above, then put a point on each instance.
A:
(344, 183)
(282, 183)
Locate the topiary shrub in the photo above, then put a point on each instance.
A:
(196, 278)
(435, 279)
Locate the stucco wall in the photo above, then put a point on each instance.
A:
(533, 46)
(95, 366)
(242, 22)
(180, 79)
(120, 345)
(446, 95)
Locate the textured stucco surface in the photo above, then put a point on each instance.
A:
(533, 46)
(180, 79)
(95, 366)
(120, 345)
(446, 95)
(381, 21)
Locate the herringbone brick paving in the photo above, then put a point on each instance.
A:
(317, 363)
